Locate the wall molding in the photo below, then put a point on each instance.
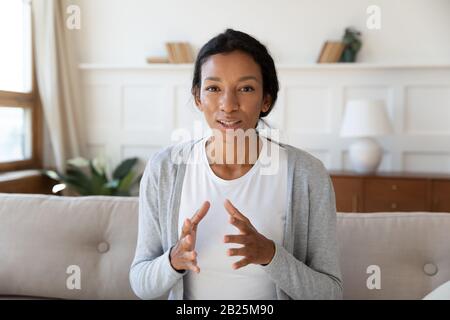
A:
(417, 98)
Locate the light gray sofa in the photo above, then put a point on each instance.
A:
(41, 237)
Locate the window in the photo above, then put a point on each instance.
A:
(19, 105)
(14, 134)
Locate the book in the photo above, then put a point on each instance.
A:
(157, 60)
(183, 52)
(182, 58)
(189, 58)
(179, 52)
(331, 52)
(170, 53)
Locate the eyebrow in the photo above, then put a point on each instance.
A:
(240, 79)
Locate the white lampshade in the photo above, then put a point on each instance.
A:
(365, 118)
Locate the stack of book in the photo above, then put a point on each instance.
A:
(179, 52)
(331, 52)
(157, 60)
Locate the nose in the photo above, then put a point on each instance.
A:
(229, 102)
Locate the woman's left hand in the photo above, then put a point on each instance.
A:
(257, 249)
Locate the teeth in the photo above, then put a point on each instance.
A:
(229, 123)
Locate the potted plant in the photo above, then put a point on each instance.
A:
(352, 42)
(89, 177)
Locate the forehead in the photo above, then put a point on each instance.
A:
(230, 65)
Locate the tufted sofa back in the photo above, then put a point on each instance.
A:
(45, 241)
(410, 252)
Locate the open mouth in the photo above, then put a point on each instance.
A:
(229, 124)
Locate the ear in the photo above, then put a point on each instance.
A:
(267, 102)
(197, 99)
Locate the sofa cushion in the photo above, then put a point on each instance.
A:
(42, 236)
(410, 249)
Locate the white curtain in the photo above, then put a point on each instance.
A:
(58, 80)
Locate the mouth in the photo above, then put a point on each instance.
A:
(229, 124)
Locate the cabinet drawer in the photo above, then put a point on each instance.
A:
(32, 184)
(385, 195)
(441, 196)
(348, 193)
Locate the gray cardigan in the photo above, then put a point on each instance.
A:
(306, 266)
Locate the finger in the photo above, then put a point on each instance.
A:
(192, 265)
(240, 263)
(187, 243)
(189, 259)
(241, 225)
(201, 213)
(237, 252)
(233, 211)
(190, 256)
(194, 268)
(186, 229)
(238, 238)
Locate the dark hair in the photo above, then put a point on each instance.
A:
(232, 40)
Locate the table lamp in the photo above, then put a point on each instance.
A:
(365, 119)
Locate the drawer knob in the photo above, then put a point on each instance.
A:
(394, 206)
(394, 187)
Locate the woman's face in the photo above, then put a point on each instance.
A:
(231, 92)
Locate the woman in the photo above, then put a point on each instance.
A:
(216, 226)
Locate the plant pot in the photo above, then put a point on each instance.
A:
(348, 55)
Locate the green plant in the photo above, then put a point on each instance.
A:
(352, 42)
(89, 177)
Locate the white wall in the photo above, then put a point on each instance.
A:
(135, 111)
(126, 31)
(118, 33)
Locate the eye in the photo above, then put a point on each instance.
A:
(212, 89)
(247, 89)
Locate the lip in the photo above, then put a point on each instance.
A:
(235, 125)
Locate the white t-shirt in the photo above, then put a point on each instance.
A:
(261, 195)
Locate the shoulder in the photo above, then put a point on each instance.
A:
(305, 167)
(302, 160)
(168, 159)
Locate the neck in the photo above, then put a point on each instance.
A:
(233, 150)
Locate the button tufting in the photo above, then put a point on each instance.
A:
(430, 269)
(103, 247)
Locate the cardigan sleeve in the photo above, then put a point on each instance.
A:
(319, 276)
(151, 274)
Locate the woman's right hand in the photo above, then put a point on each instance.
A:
(183, 255)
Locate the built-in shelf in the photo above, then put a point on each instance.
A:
(312, 66)
(134, 109)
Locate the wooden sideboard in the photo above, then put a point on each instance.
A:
(391, 192)
(33, 183)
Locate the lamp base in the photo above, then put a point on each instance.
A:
(365, 155)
